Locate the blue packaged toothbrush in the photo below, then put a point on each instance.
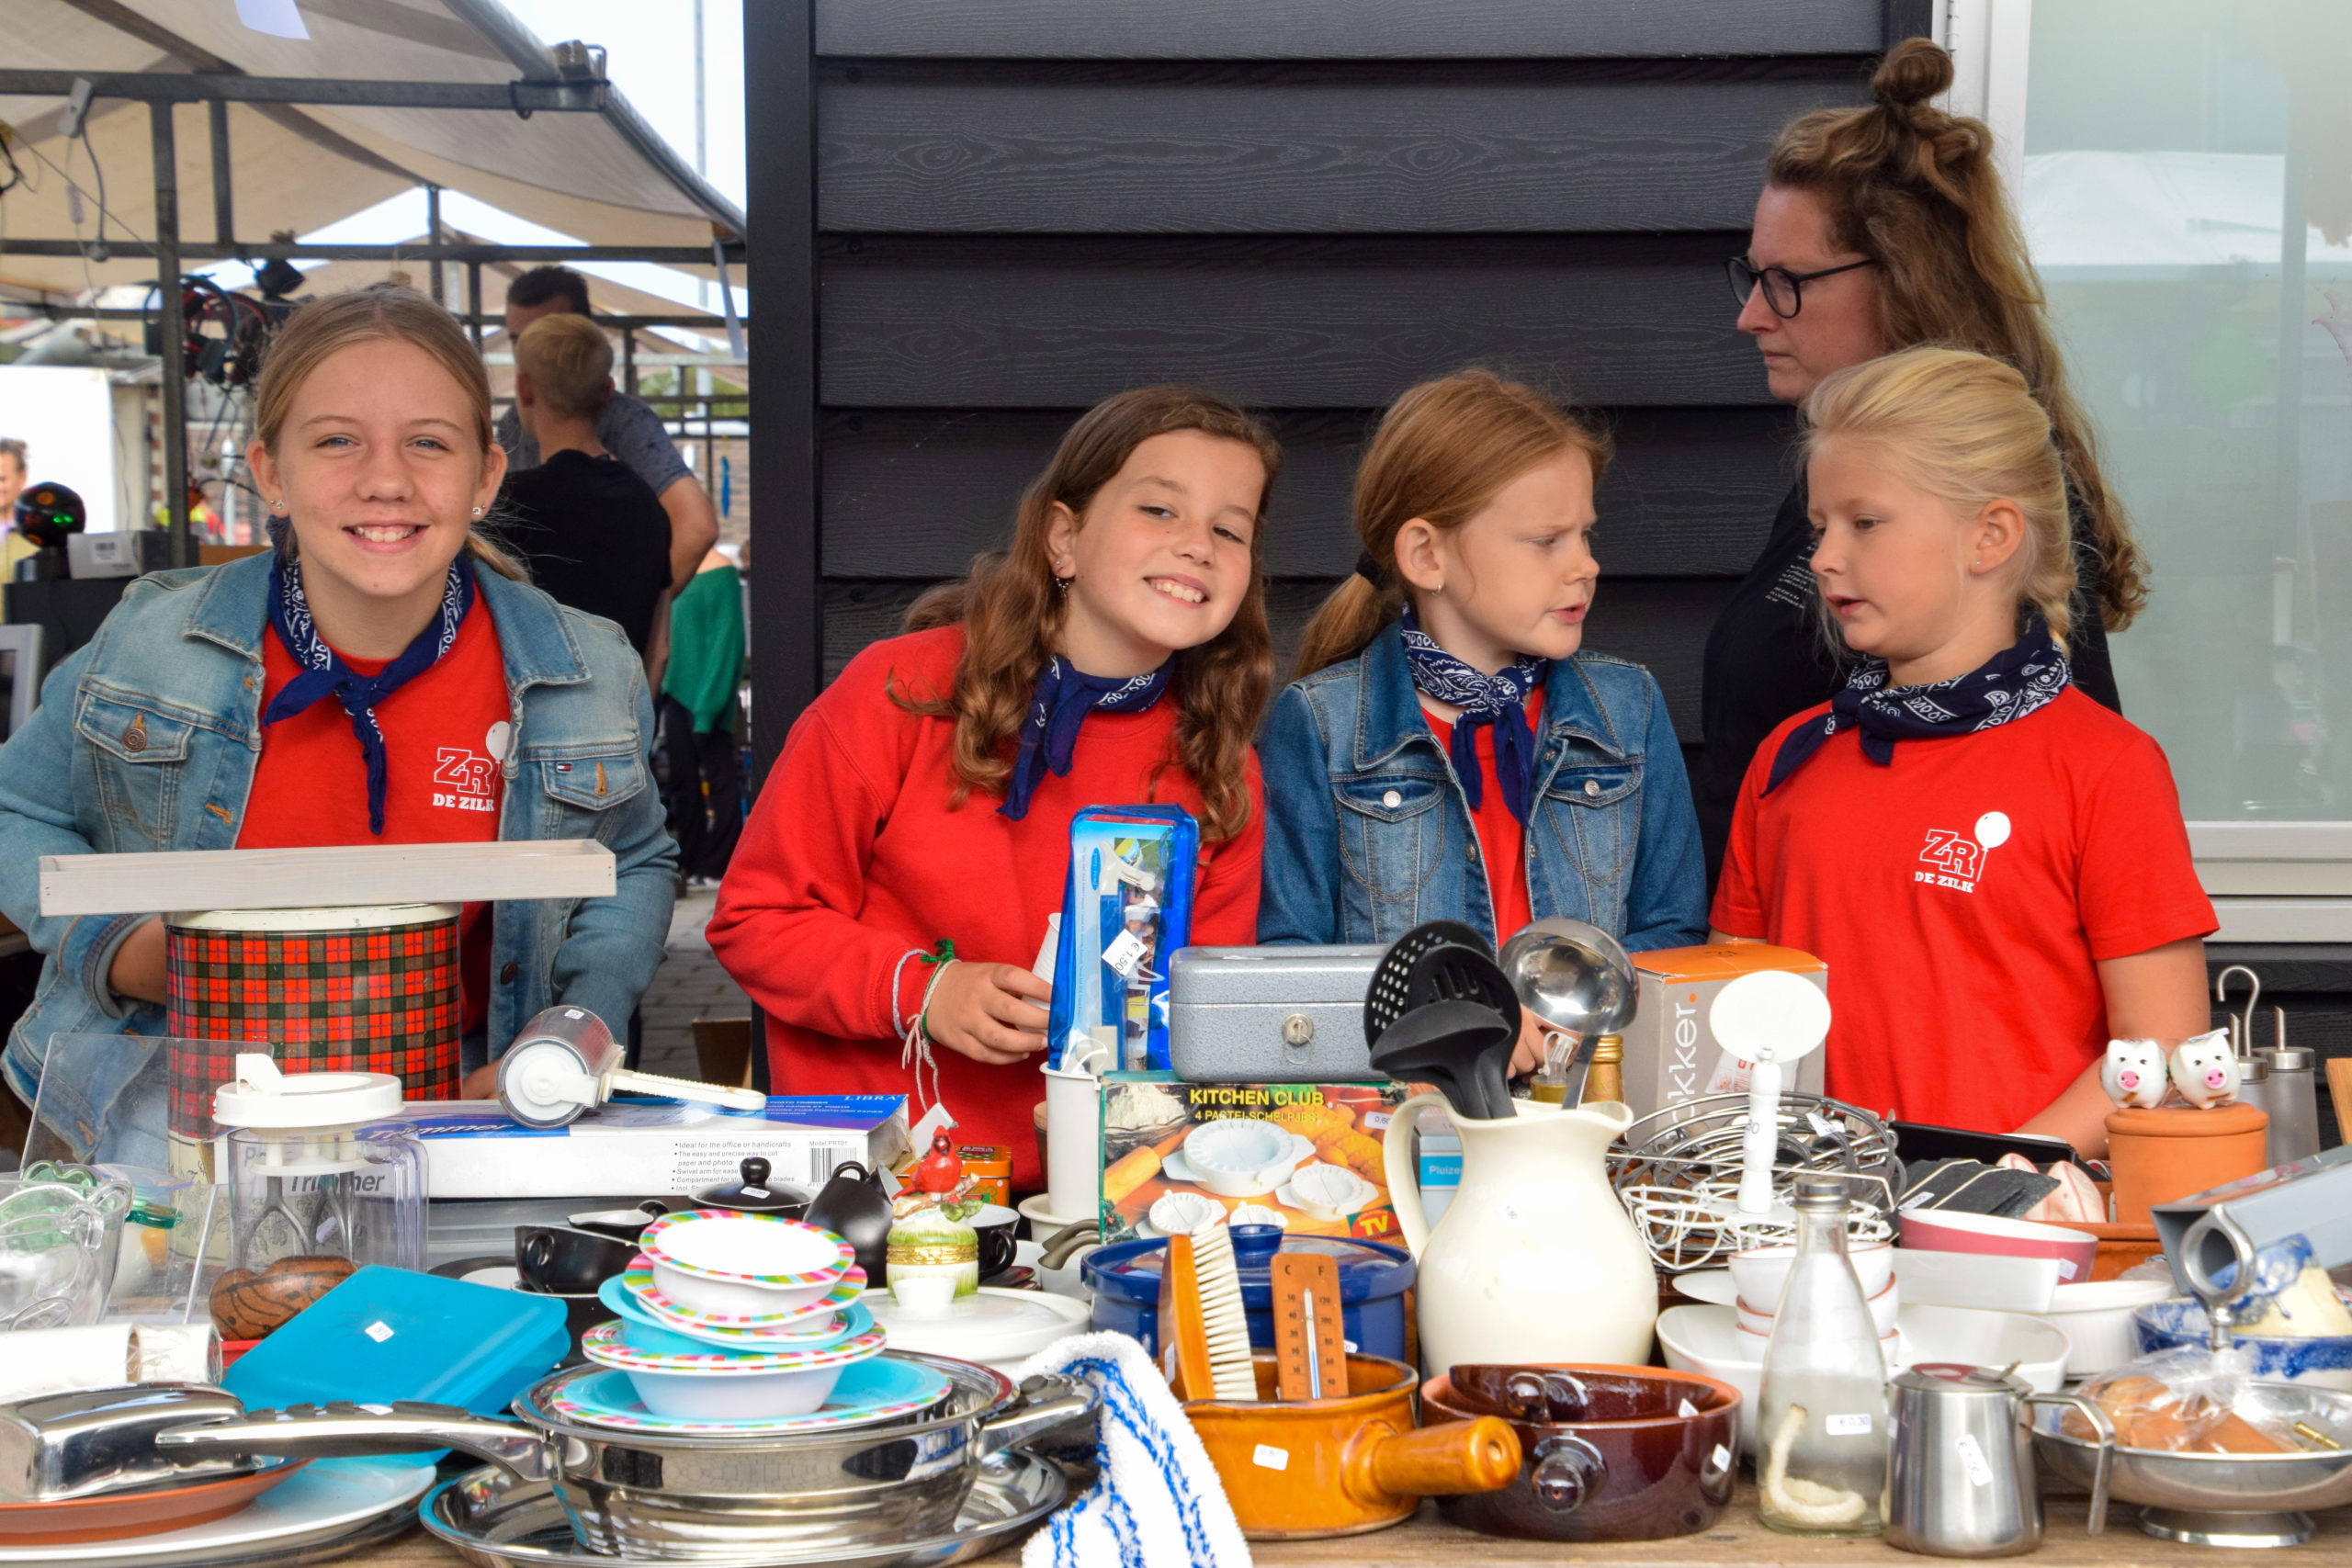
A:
(1126, 907)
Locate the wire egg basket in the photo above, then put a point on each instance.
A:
(1676, 1171)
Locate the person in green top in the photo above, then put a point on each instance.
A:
(705, 791)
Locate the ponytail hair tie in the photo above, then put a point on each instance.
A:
(1369, 570)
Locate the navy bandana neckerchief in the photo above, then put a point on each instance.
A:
(2005, 688)
(1058, 705)
(325, 674)
(1499, 700)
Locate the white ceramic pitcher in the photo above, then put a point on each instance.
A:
(1536, 1259)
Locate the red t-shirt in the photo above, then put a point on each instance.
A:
(1503, 839)
(445, 734)
(1961, 897)
(856, 852)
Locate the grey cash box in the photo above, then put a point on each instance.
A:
(1269, 1014)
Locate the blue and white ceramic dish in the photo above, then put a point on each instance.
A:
(2324, 1363)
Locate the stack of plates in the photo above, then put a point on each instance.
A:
(733, 1317)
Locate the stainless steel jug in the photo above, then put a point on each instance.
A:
(1961, 1481)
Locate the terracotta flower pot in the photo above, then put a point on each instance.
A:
(2171, 1152)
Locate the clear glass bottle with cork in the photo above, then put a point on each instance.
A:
(1821, 1429)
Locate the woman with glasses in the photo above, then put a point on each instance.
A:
(1881, 229)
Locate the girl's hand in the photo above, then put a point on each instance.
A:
(1534, 1046)
(138, 970)
(989, 1012)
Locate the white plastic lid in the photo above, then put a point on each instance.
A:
(992, 1325)
(264, 1097)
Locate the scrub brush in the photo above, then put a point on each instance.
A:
(1227, 1323)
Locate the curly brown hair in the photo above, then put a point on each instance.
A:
(1011, 614)
(1916, 190)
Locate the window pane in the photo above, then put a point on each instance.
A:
(2169, 145)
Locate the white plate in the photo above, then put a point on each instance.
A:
(1364, 1194)
(330, 1496)
(1712, 1286)
(998, 1328)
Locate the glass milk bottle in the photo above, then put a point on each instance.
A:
(1821, 1433)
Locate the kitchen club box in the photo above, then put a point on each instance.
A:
(1671, 1054)
(1150, 1123)
(631, 1148)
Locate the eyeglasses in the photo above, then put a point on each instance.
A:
(1784, 289)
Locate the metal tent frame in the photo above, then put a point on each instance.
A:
(580, 92)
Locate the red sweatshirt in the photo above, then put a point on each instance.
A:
(853, 854)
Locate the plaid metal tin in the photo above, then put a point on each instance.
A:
(372, 1000)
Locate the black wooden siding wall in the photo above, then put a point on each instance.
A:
(1023, 206)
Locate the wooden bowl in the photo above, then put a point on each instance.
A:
(246, 1305)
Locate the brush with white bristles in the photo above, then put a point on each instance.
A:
(1223, 1315)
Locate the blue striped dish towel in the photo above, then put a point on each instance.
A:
(1156, 1501)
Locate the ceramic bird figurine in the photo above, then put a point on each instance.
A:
(938, 1171)
(2205, 1070)
(2133, 1073)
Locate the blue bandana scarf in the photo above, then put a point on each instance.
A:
(1058, 704)
(325, 674)
(1499, 700)
(2005, 688)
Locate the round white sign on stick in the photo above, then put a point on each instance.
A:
(1993, 830)
(1770, 1016)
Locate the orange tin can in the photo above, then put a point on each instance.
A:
(991, 1169)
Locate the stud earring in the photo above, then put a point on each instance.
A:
(278, 507)
(1061, 586)
(476, 512)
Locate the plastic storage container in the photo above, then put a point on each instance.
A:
(386, 1334)
(1375, 1286)
(319, 1168)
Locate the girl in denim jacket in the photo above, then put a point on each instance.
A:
(1447, 751)
(385, 675)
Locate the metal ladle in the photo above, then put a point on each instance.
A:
(1577, 981)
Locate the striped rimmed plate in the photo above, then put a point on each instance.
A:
(639, 1282)
(604, 1346)
(882, 1389)
(767, 1251)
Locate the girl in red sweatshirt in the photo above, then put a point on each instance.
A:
(1117, 653)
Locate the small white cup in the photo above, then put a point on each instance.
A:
(923, 1295)
(1073, 1142)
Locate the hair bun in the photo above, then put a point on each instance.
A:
(1912, 72)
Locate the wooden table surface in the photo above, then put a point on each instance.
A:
(1739, 1541)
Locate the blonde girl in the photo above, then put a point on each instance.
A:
(1993, 864)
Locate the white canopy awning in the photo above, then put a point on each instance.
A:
(603, 177)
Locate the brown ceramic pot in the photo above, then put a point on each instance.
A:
(1299, 1469)
(1607, 1453)
(2173, 1151)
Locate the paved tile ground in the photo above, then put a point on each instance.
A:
(688, 985)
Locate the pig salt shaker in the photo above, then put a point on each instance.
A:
(2205, 1070)
(2133, 1073)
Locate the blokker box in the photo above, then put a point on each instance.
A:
(1671, 1054)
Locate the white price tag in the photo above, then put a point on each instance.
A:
(1971, 1459)
(1266, 1457)
(379, 1331)
(2068, 1269)
(1686, 1410)
(1847, 1426)
(1125, 953)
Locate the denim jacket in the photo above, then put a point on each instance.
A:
(182, 653)
(1368, 833)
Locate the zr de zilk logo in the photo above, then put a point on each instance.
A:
(1958, 859)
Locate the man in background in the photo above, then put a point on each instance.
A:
(594, 534)
(13, 465)
(704, 790)
(624, 427)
